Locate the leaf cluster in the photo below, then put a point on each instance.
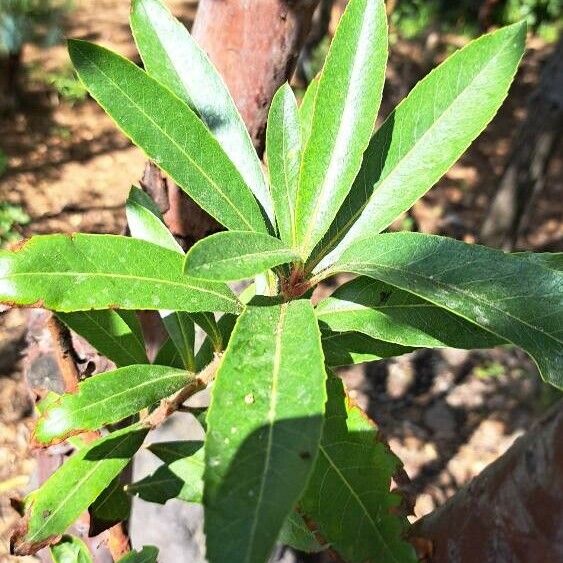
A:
(286, 455)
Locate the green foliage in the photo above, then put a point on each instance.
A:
(70, 549)
(63, 80)
(286, 456)
(31, 21)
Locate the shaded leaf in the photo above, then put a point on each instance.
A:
(234, 255)
(349, 348)
(264, 426)
(181, 329)
(109, 397)
(168, 355)
(116, 335)
(297, 535)
(80, 272)
(170, 133)
(426, 134)
(344, 112)
(52, 508)
(112, 506)
(148, 554)
(283, 151)
(173, 57)
(386, 313)
(348, 495)
(512, 298)
(207, 349)
(180, 477)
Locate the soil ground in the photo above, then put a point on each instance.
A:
(446, 413)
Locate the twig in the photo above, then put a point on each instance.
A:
(65, 354)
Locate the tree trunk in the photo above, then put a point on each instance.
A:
(512, 512)
(10, 71)
(525, 174)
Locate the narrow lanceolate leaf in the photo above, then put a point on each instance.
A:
(180, 477)
(170, 133)
(344, 113)
(264, 427)
(386, 313)
(283, 150)
(306, 109)
(297, 535)
(52, 508)
(234, 255)
(426, 134)
(71, 549)
(112, 506)
(67, 273)
(181, 329)
(512, 298)
(115, 334)
(145, 221)
(349, 348)
(172, 57)
(348, 496)
(109, 397)
(148, 554)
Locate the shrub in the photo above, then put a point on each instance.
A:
(286, 454)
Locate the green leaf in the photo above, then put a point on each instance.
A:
(71, 549)
(306, 109)
(207, 349)
(181, 329)
(349, 348)
(145, 221)
(168, 355)
(180, 477)
(264, 427)
(80, 272)
(386, 313)
(52, 508)
(426, 134)
(116, 335)
(283, 151)
(348, 495)
(515, 299)
(112, 506)
(109, 397)
(234, 255)
(344, 113)
(170, 133)
(174, 59)
(148, 554)
(296, 534)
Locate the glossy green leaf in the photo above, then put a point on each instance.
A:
(297, 535)
(344, 113)
(109, 397)
(264, 427)
(426, 134)
(116, 335)
(148, 554)
(512, 298)
(306, 109)
(172, 57)
(145, 221)
(283, 150)
(80, 272)
(70, 549)
(349, 348)
(348, 496)
(180, 477)
(170, 133)
(52, 508)
(234, 255)
(386, 313)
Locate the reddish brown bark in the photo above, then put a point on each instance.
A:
(511, 512)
